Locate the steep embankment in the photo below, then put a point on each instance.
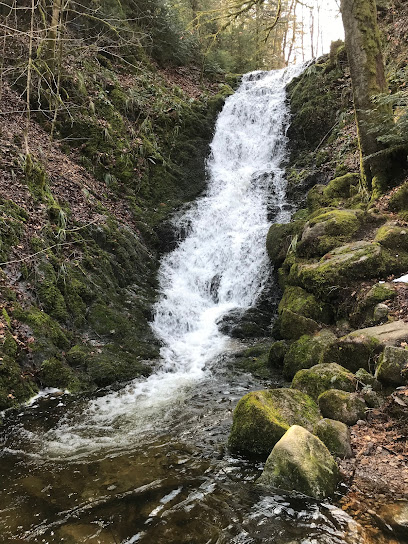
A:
(342, 330)
(81, 223)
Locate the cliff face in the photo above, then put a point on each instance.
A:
(83, 216)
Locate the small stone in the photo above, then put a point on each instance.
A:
(361, 422)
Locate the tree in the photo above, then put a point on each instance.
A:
(363, 46)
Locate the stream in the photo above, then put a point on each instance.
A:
(148, 462)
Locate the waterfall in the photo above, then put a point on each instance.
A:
(221, 265)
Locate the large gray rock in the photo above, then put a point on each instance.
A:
(390, 334)
(319, 378)
(393, 366)
(261, 418)
(342, 406)
(395, 518)
(335, 435)
(301, 462)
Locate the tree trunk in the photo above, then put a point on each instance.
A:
(368, 79)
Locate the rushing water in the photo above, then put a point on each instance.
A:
(148, 463)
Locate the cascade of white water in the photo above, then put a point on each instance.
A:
(220, 265)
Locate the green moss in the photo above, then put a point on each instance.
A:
(342, 187)
(53, 373)
(342, 406)
(363, 313)
(36, 177)
(279, 240)
(12, 220)
(50, 338)
(299, 301)
(399, 200)
(306, 352)
(261, 418)
(393, 237)
(78, 355)
(353, 352)
(254, 360)
(335, 436)
(10, 345)
(276, 354)
(6, 317)
(14, 386)
(292, 325)
(319, 378)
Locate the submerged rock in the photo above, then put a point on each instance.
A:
(335, 435)
(301, 462)
(395, 517)
(261, 418)
(314, 381)
(393, 366)
(342, 406)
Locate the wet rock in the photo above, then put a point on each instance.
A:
(335, 435)
(395, 517)
(319, 378)
(299, 301)
(279, 239)
(393, 366)
(342, 406)
(261, 418)
(306, 352)
(301, 462)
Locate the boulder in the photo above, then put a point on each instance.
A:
(277, 353)
(299, 301)
(278, 240)
(301, 462)
(327, 229)
(342, 187)
(366, 379)
(390, 334)
(319, 378)
(306, 352)
(357, 260)
(378, 294)
(335, 435)
(393, 366)
(342, 406)
(261, 418)
(353, 351)
(392, 236)
(292, 325)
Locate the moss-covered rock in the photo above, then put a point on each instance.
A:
(363, 313)
(335, 435)
(319, 378)
(299, 301)
(276, 354)
(399, 200)
(279, 239)
(393, 366)
(353, 352)
(301, 462)
(53, 373)
(292, 325)
(342, 187)
(306, 352)
(342, 406)
(15, 387)
(356, 260)
(367, 379)
(261, 418)
(327, 230)
(254, 359)
(393, 236)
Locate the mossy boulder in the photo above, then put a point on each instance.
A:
(301, 462)
(277, 353)
(399, 200)
(342, 406)
(306, 352)
(335, 435)
(278, 240)
(342, 187)
(364, 312)
(54, 373)
(357, 260)
(353, 351)
(15, 387)
(261, 418)
(293, 325)
(299, 301)
(393, 236)
(319, 378)
(327, 230)
(393, 366)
